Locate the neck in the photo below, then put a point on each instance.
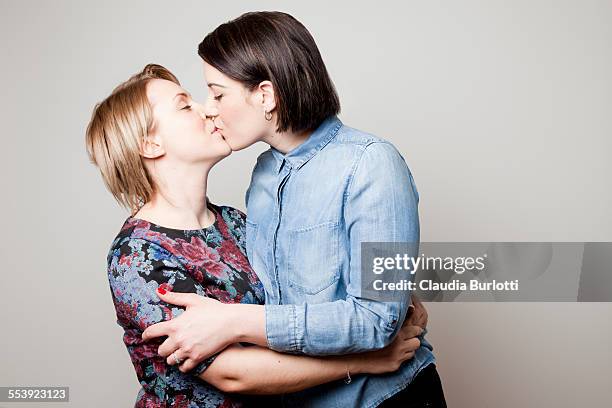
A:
(179, 200)
(284, 142)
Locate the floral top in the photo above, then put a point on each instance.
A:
(210, 262)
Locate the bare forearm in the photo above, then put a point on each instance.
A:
(258, 370)
(248, 324)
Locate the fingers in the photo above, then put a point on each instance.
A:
(408, 349)
(178, 298)
(416, 314)
(419, 315)
(413, 344)
(409, 313)
(168, 347)
(157, 330)
(187, 365)
(418, 318)
(410, 331)
(172, 357)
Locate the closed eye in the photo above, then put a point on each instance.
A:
(187, 107)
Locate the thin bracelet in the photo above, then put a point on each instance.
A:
(348, 378)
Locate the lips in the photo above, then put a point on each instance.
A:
(218, 131)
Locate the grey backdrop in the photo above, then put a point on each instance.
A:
(502, 110)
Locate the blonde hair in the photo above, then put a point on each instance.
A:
(118, 127)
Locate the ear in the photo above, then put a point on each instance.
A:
(267, 97)
(151, 147)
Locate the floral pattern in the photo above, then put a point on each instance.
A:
(210, 262)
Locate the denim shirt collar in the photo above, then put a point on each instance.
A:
(299, 156)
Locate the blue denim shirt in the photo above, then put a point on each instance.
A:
(307, 213)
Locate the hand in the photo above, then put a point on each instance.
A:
(417, 314)
(199, 332)
(390, 358)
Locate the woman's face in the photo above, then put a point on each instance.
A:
(238, 113)
(180, 128)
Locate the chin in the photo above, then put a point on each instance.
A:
(222, 150)
(220, 156)
(237, 148)
(243, 144)
(227, 151)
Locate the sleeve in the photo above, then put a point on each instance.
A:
(136, 269)
(381, 206)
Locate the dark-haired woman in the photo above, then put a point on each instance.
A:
(318, 193)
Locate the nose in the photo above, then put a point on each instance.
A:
(210, 110)
(199, 108)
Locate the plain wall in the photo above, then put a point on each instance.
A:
(503, 111)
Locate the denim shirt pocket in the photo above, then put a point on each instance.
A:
(313, 262)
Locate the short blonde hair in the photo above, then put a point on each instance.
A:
(114, 136)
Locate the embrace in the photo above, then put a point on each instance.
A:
(223, 309)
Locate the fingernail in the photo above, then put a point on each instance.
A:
(161, 291)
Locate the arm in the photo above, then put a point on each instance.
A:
(185, 335)
(380, 206)
(136, 269)
(258, 370)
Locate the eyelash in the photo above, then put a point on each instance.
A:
(218, 97)
(187, 107)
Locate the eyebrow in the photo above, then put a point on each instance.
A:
(181, 94)
(215, 84)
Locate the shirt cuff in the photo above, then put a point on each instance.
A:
(284, 328)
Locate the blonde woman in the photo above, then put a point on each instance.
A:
(155, 148)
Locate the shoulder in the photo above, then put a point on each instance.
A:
(356, 148)
(359, 143)
(350, 136)
(230, 214)
(122, 243)
(373, 159)
(135, 230)
(137, 241)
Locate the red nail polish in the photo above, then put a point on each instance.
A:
(161, 291)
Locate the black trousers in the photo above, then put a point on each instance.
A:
(425, 391)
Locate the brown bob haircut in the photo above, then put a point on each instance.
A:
(274, 46)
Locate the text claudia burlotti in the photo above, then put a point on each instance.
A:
(458, 265)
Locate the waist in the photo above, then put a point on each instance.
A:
(364, 390)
